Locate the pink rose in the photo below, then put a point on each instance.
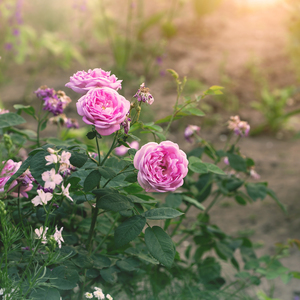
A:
(82, 81)
(162, 167)
(104, 108)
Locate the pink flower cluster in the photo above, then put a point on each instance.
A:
(240, 128)
(22, 184)
(162, 167)
(101, 105)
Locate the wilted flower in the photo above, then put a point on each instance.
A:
(162, 167)
(143, 95)
(58, 237)
(44, 92)
(126, 124)
(41, 234)
(82, 82)
(190, 132)
(42, 198)
(63, 98)
(71, 123)
(239, 127)
(122, 150)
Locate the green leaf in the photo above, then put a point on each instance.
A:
(173, 73)
(194, 111)
(161, 213)
(114, 202)
(129, 264)
(83, 261)
(27, 109)
(256, 190)
(174, 200)
(193, 202)
(237, 162)
(129, 230)
(10, 119)
(240, 200)
(78, 159)
(132, 151)
(204, 186)
(131, 178)
(64, 278)
(100, 261)
(91, 135)
(109, 275)
(107, 172)
(224, 250)
(92, 180)
(214, 169)
(44, 125)
(160, 245)
(214, 90)
(137, 199)
(273, 195)
(46, 293)
(196, 165)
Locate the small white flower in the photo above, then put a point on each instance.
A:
(42, 198)
(58, 237)
(1, 292)
(88, 295)
(99, 294)
(64, 158)
(41, 234)
(109, 297)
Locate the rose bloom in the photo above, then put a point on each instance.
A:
(104, 108)
(162, 167)
(82, 81)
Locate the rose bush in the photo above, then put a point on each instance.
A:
(162, 167)
(104, 108)
(81, 82)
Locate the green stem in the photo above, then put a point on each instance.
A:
(104, 239)
(111, 148)
(181, 219)
(212, 203)
(98, 149)
(91, 232)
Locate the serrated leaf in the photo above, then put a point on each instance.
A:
(10, 119)
(160, 245)
(91, 181)
(256, 190)
(161, 213)
(114, 202)
(129, 230)
(193, 202)
(196, 165)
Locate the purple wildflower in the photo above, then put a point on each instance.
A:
(190, 132)
(143, 95)
(71, 123)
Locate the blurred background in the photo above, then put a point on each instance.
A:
(250, 47)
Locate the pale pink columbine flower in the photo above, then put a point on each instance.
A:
(122, 150)
(58, 237)
(51, 179)
(190, 132)
(143, 95)
(254, 174)
(42, 198)
(99, 294)
(52, 159)
(109, 297)
(65, 191)
(41, 234)
(239, 127)
(88, 295)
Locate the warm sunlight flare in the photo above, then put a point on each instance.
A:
(257, 3)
